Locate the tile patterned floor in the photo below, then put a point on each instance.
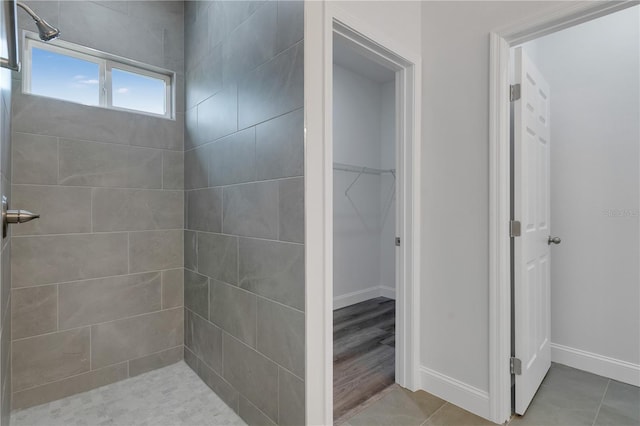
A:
(170, 396)
(573, 397)
(567, 397)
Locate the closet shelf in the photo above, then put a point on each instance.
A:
(360, 169)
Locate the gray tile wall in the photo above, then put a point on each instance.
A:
(243, 175)
(98, 280)
(5, 248)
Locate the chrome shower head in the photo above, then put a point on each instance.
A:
(47, 31)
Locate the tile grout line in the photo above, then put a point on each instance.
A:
(433, 414)
(595, 419)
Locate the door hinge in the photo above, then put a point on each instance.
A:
(516, 366)
(514, 92)
(514, 228)
(397, 241)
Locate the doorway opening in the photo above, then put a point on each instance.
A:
(364, 227)
(575, 180)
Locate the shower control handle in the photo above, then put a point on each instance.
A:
(14, 216)
(20, 216)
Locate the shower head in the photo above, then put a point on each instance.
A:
(47, 31)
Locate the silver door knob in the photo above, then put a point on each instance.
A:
(14, 216)
(553, 240)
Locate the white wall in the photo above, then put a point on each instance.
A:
(359, 116)
(593, 71)
(454, 303)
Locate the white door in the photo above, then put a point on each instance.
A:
(531, 249)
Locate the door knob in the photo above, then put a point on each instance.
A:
(553, 240)
(14, 216)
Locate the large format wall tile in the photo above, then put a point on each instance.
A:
(172, 170)
(34, 311)
(59, 258)
(272, 89)
(252, 43)
(280, 146)
(153, 361)
(120, 340)
(155, 250)
(191, 250)
(234, 310)
(251, 210)
(281, 335)
(63, 210)
(233, 159)
(205, 79)
(137, 209)
(196, 293)
(245, 203)
(87, 23)
(196, 168)
(203, 339)
(108, 250)
(218, 115)
(220, 386)
(273, 269)
(47, 116)
(255, 376)
(105, 299)
(42, 359)
(291, 210)
(172, 288)
(109, 165)
(252, 415)
(69, 386)
(225, 16)
(291, 399)
(290, 23)
(204, 209)
(35, 159)
(218, 257)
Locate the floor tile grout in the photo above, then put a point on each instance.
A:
(595, 419)
(434, 413)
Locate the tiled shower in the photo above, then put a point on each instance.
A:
(162, 239)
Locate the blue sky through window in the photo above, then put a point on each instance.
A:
(138, 92)
(60, 76)
(64, 77)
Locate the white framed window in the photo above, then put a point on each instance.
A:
(70, 72)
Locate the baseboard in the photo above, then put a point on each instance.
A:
(601, 365)
(456, 392)
(388, 292)
(362, 295)
(355, 297)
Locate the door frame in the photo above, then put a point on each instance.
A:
(322, 20)
(501, 41)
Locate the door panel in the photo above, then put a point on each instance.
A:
(531, 250)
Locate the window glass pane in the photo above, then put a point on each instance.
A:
(138, 92)
(64, 77)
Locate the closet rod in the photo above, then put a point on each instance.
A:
(359, 169)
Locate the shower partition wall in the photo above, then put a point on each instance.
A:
(244, 244)
(5, 246)
(97, 281)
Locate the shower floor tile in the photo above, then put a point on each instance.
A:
(170, 396)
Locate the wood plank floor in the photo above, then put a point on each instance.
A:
(363, 352)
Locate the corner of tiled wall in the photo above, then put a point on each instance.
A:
(244, 288)
(97, 291)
